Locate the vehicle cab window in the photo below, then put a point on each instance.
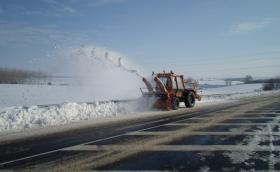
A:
(180, 83)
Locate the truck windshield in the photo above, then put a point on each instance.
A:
(165, 81)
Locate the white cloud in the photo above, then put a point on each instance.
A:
(105, 2)
(22, 34)
(56, 12)
(250, 26)
(54, 8)
(68, 10)
(35, 12)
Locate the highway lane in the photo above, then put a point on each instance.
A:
(24, 147)
(124, 145)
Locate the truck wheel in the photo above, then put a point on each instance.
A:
(190, 100)
(175, 104)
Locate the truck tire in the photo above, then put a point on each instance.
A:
(175, 103)
(190, 100)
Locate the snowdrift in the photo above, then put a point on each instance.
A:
(18, 118)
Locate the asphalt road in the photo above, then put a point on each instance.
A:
(243, 135)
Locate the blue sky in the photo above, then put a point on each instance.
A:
(214, 38)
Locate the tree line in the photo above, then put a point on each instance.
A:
(19, 76)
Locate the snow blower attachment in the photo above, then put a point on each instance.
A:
(171, 89)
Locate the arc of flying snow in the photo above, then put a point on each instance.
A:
(120, 64)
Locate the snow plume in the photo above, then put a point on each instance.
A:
(110, 59)
(129, 70)
(103, 74)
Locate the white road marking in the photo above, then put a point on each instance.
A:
(49, 152)
(138, 125)
(155, 133)
(245, 118)
(265, 110)
(272, 148)
(171, 148)
(127, 170)
(222, 124)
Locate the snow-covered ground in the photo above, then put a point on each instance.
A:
(22, 106)
(211, 81)
(29, 95)
(229, 93)
(234, 89)
(214, 82)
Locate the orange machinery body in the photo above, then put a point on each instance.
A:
(171, 89)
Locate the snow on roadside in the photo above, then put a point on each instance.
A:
(19, 118)
(25, 117)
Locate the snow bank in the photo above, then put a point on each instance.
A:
(19, 118)
(39, 116)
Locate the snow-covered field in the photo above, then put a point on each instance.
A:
(29, 95)
(27, 106)
(214, 82)
(230, 93)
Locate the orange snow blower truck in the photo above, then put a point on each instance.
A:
(171, 89)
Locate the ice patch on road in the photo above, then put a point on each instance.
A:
(239, 157)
